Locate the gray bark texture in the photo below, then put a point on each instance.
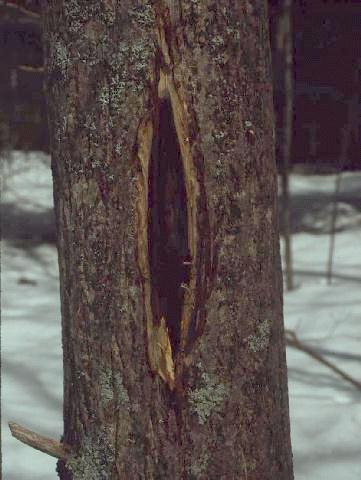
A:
(162, 141)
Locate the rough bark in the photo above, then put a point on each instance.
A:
(184, 378)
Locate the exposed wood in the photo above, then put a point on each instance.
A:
(39, 442)
(159, 346)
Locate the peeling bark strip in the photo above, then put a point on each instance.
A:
(173, 225)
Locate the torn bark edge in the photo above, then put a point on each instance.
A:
(161, 358)
(44, 444)
(158, 343)
(159, 347)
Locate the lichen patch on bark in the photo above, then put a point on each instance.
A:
(208, 398)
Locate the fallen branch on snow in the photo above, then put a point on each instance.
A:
(293, 341)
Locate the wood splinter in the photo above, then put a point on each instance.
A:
(44, 444)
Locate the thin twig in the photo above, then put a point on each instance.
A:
(31, 68)
(284, 44)
(21, 8)
(44, 444)
(352, 120)
(293, 341)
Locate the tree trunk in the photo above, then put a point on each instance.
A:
(165, 194)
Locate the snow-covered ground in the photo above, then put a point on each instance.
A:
(325, 410)
(30, 332)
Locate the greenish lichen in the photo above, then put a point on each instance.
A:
(223, 44)
(118, 148)
(192, 8)
(143, 15)
(199, 466)
(95, 458)
(208, 398)
(103, 96)
(112, 95)
(96, 163)
(59, 55)
(130, 70)
(218, 134)
(117, 92)
(77, 13)
(74, 12)
(259, 342)
(128, 61)
(140, 57)
(86, 192)
(250, 466)
(108, 16)
(121, 393)
(217, 41)
(233, 33)
(72, 9)
(112, 388)
(106, 386)
(90, 51)
(60, 128)
(89, 123)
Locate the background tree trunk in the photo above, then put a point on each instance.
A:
(284, 110)
(174, 358)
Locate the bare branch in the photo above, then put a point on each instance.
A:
(293, 341)
(44, 444)
(31, 68)
(30, 13)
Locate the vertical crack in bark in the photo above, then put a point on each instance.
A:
(173, 230)
(169, 258)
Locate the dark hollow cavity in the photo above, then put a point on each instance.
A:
(167, 225)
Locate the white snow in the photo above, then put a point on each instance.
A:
(325, 410)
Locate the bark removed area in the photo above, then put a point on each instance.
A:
(169, 195)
